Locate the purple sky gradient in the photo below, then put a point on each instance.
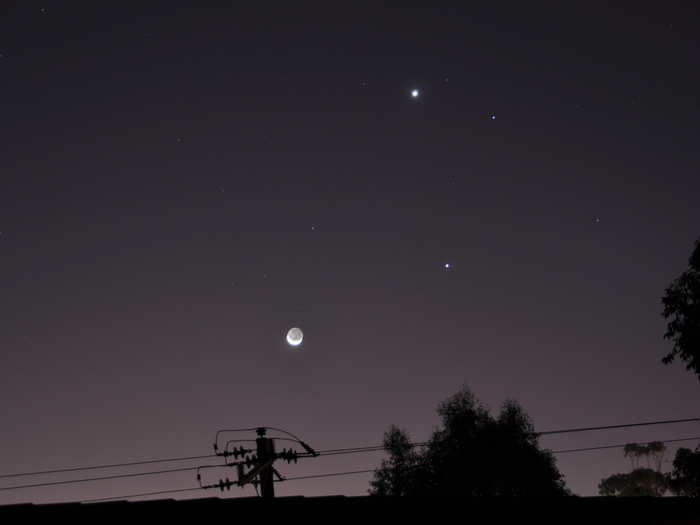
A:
(180, 186)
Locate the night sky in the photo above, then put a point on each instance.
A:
(179, 186)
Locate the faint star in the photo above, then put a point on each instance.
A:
(447, 266)
(179, 139)
(446, 80)
(43, 10)
(313, 228)
(493, 116)
(597, 219)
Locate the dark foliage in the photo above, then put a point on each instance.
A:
(395, 475)
(474, 454)
(682, 310)
(639, 482)
(653, 451)
(685, 478)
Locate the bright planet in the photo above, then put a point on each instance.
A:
(295, 336)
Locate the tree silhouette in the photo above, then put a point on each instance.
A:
(641, 481)
(685, 478)
(394, 476)
(473, 454)
(653, 451)
(682, 310)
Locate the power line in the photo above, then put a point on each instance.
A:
(622, 445)
(112, 465)
(330, 474)
(172, 491)
(329, 452)
(156, 493)
(626, 425)
(367, 471)
(326, 452)
(375, 448)
(83, 480)
(368, 449)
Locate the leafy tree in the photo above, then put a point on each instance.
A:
(639, 482)
(682, 310)
(653, 451)
(685, 478)
(394, 476)
(472, 454)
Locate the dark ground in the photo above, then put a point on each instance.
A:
(570, 510)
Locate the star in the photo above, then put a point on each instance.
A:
(415, 93)
(447, 266)
(493, 116)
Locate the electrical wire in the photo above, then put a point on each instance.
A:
(284, 432)
(219, 432)
(586, 449)
(329, 452)
(156, 493)
(331, 474)
(369, 449)
(367, 471)
(83, 480)
(172, 491)
(325, 452)
(609, 427)
(112, 465)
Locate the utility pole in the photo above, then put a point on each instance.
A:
(259, 462)
(266, 454)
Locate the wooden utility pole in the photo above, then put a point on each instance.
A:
(266, 454)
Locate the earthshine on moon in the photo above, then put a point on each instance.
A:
(295, 336)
